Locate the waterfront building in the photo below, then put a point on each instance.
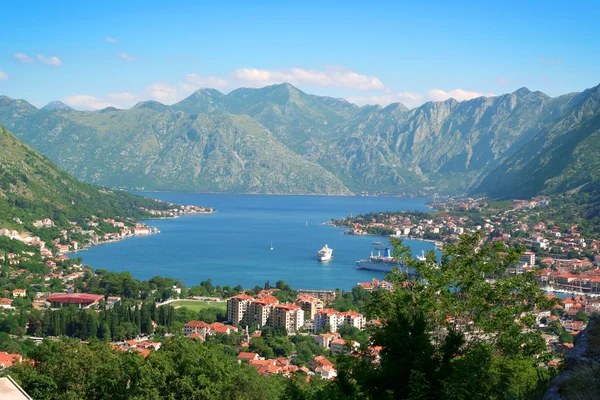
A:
(237, 309)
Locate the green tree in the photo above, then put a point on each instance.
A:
(455, 332)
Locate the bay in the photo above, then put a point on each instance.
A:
(233, 245)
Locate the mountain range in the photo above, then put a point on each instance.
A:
(279, 139)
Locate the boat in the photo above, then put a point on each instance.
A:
(376, 243)
(325, 253)
(272, 248)
(306, 223)
(381, 263)
(422, 256)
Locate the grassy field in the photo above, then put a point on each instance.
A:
(197, 305)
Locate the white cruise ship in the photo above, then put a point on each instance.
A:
(325, 253)
(383, 263)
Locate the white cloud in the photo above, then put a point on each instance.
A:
(409, 99)
(330, 77)
(86, 102)
(3, 75)
(50, 60)
(127, 57)
(195, 81)
(24, 58)
(163, 92)
(111, 40)
(124, 99)
(457, 94)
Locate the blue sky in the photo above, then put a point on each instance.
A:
(95, 54)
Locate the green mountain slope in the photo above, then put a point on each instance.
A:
(33, 188)
(563, 156)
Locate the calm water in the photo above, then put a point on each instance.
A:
(232, 246)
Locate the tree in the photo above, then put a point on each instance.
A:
(455, 332)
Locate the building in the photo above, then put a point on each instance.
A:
(8, 359)
(341, 346)
(19, 293)
(331, 320)
(326, 319)
(260, 311)
(352, 318)
(288, 316)
(237, 309)
(10, 390)
(327, 296)
(83, 300)
(528, 257)
(324, 339)
(310, 305)
(196, 328)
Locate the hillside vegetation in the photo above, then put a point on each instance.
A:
(32, 188)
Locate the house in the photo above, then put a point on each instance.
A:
(19, 293)
(247, 356)
(323, 367)
(341, 346)
(324, 339)
(112, 300)
(8, 359)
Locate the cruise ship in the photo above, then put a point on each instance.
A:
(325, 253)
(382, 263)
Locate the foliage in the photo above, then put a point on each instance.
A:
(456, 332)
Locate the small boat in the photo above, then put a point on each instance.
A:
(422, 256)
(306, 223)
(376, 243)
(325, 253)
(272, 246)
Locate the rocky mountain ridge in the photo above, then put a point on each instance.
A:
(279, 139)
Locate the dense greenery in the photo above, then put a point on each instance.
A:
(32, 188)
(453, 334)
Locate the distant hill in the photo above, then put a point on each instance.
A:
(56, 105)
(32, 188)
(279, 139)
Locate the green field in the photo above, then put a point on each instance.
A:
(197, 305)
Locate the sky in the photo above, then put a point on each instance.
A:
(91, 55)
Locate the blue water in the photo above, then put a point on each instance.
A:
(232, 246)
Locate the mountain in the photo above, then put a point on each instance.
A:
(33, 188)
(279, 139)
(56, 105)
(563, 156)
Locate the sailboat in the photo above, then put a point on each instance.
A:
(272, 248)
(306, 223)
